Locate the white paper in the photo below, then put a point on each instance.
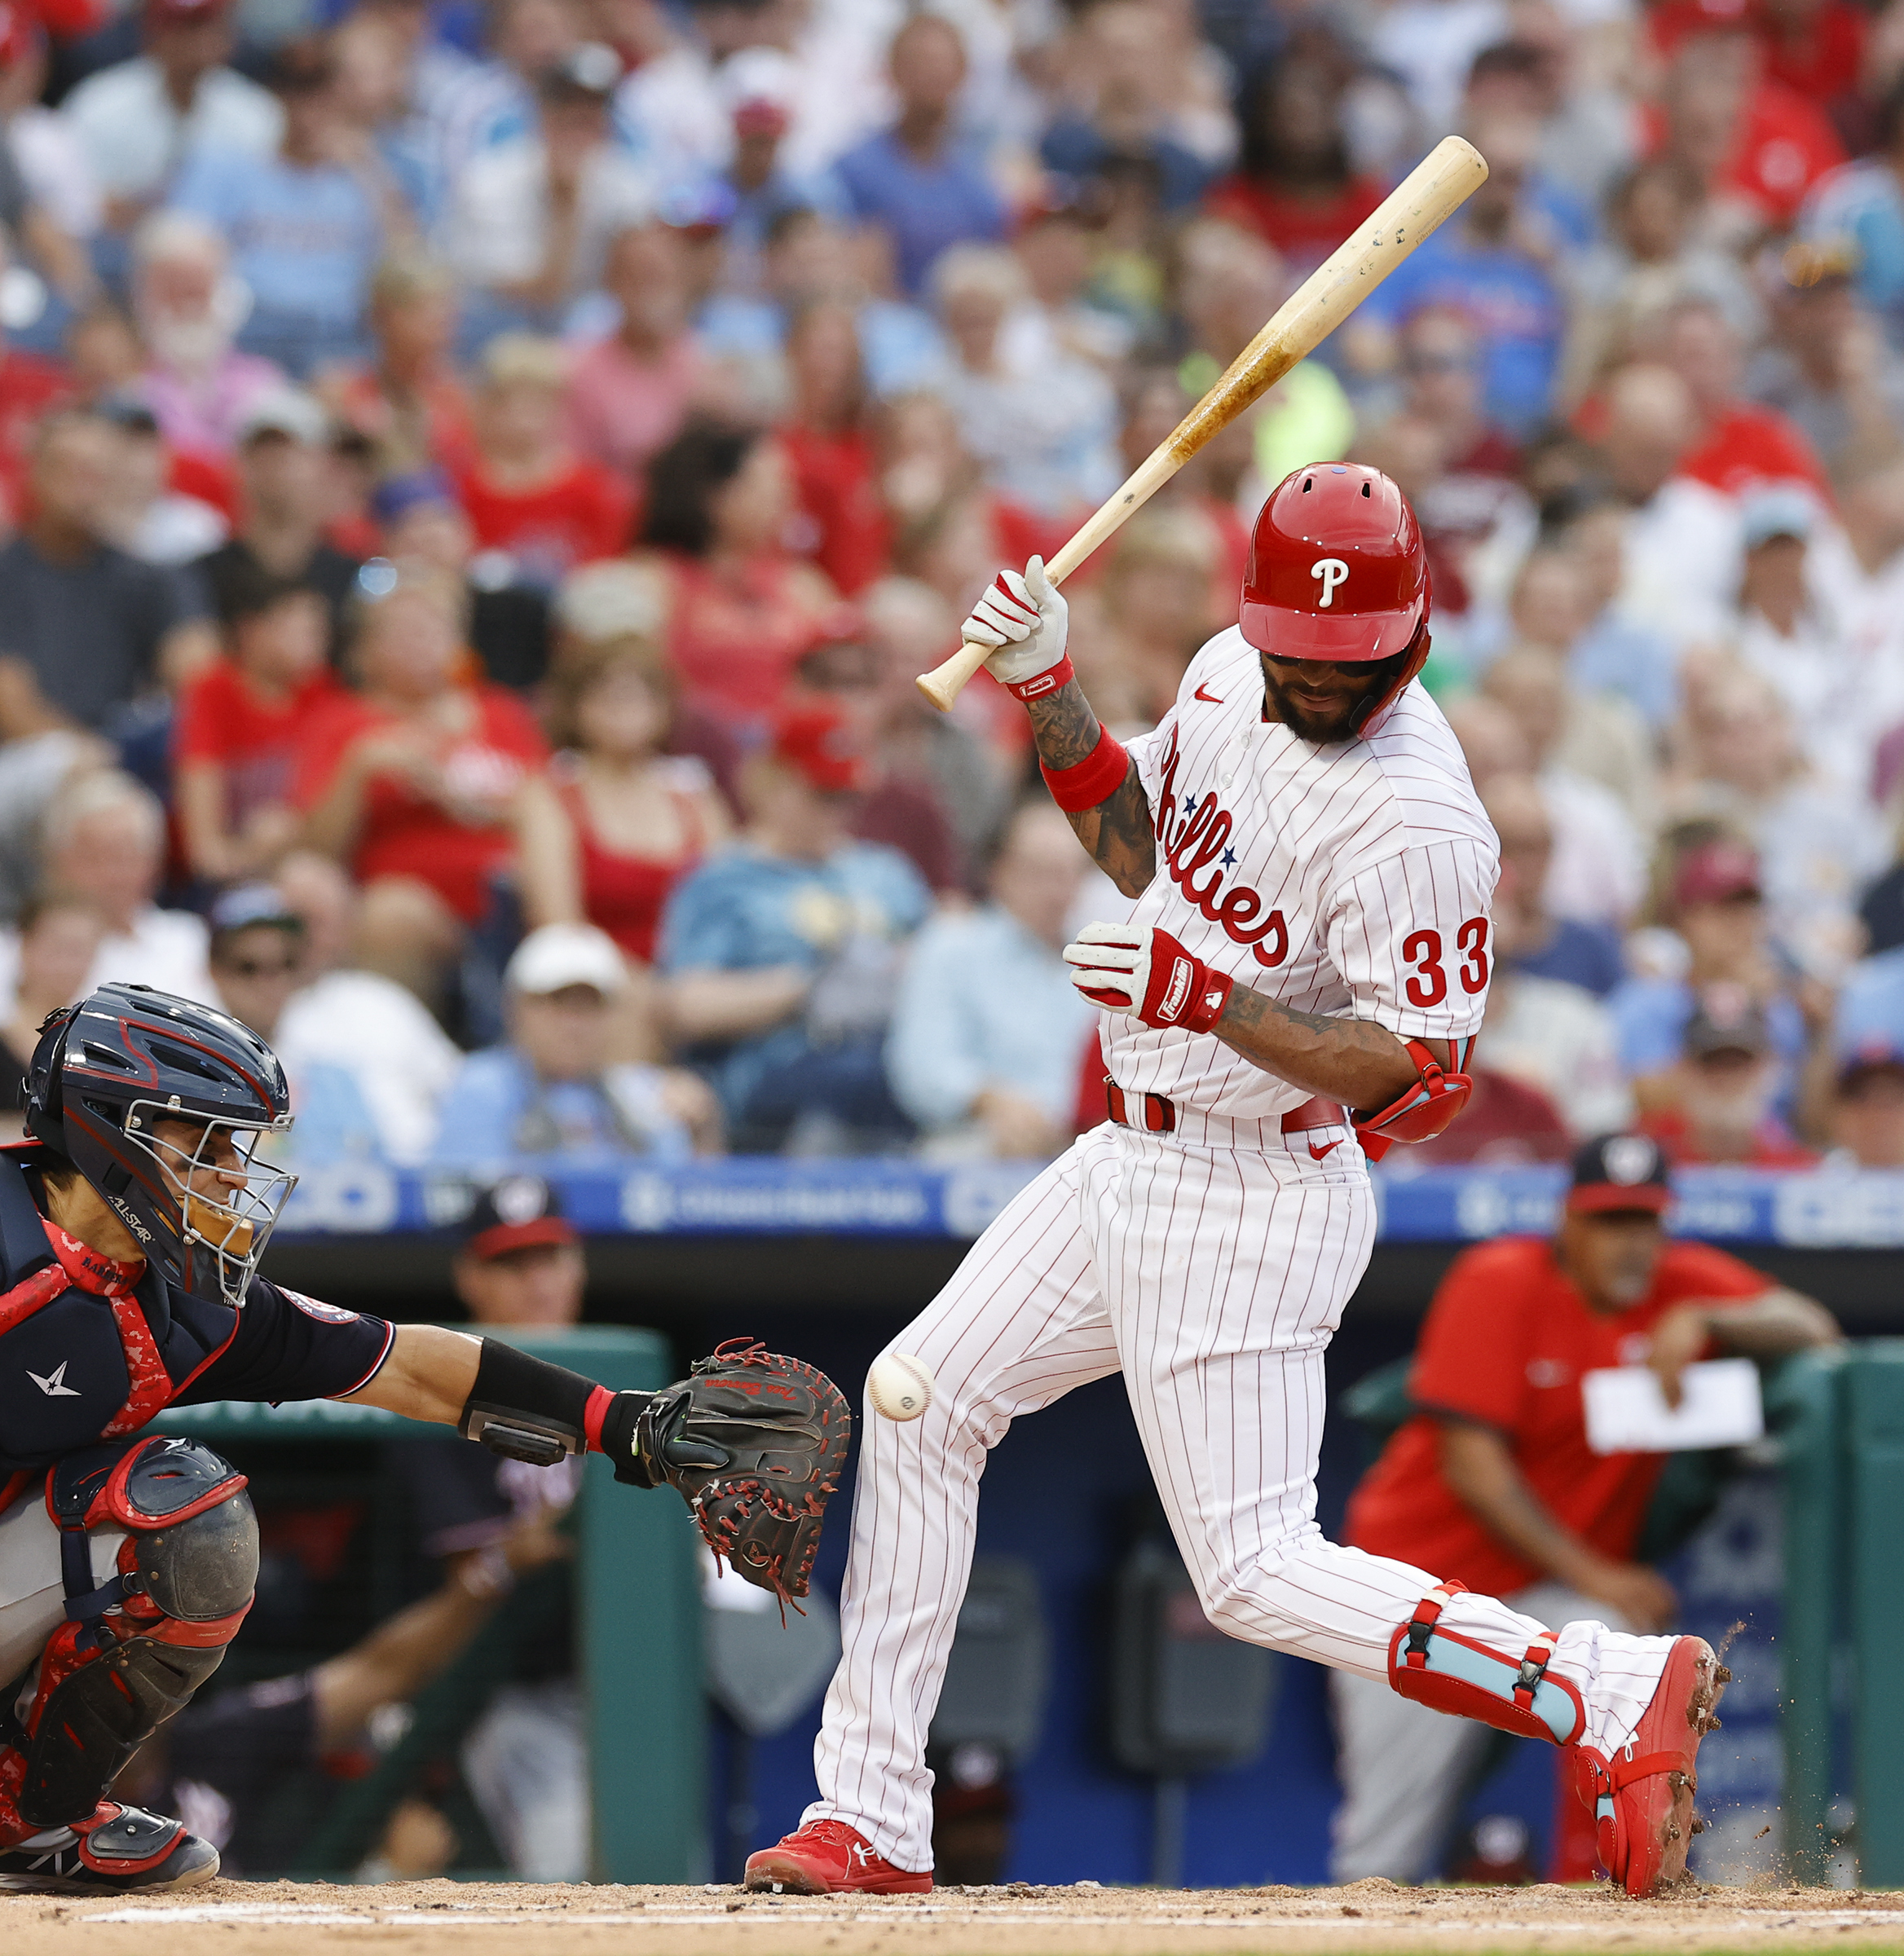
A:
(1627, 1411)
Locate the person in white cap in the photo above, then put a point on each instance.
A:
(552, 1091)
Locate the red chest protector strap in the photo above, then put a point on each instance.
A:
(149, 1387)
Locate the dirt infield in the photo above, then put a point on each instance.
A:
(433, 1917)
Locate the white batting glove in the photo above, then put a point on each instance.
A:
(1140, 968)
(1110, 964)
(1026, 619)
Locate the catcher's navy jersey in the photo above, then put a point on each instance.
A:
(80, 1365)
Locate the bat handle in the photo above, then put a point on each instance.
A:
(947, 682)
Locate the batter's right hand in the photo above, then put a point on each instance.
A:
(1026, 619)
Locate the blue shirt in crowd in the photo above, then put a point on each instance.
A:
(984, 1003)
(1514, 304)
(924, 206)
(1650, 1017)
(498, 1110)
(745, 910)
(1585, 954)
(1870, 1007)
(305, 240)
(1863, 202)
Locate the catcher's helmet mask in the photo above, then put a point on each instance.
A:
(109, 1070)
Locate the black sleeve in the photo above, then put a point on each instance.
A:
(289, 1347)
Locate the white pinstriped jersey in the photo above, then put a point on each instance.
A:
(1354, 879)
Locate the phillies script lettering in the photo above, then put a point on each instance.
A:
(1192, 840)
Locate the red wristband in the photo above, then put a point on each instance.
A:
(1096, 778)
(1041, 684)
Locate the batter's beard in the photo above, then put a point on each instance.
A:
(1324, 730)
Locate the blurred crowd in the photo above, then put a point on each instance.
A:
(479, 478)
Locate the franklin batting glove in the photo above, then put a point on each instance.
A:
(1139, 969)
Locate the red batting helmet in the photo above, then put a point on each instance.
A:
(1337, 572)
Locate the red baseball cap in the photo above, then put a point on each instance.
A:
(759, 116)
(1716, 872)
(182, 13)
(819, 744)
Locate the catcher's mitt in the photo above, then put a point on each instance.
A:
(754, 1442)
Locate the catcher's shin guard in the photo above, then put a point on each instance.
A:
(134, 1648)
(1438, 1667)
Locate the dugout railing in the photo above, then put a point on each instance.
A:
(637, 1617)
(1839, 1418)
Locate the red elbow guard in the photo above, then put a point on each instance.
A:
(1424, 1110)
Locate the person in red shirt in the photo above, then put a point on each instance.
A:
(744, 612)
(1295, 187)
(1740, 446)
(528, 494)
(616, 821)
(411, 782)
(236, 732)
(836, 470)
(1748, 139)
(408, 401)
(1493, 1481)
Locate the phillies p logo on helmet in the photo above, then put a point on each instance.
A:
(1331, 570)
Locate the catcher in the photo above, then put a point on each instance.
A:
(131, 1227)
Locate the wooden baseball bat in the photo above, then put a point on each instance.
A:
(1431, 191)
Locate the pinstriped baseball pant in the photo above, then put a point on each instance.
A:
(1212, 1278)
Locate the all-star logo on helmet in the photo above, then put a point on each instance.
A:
(108, 1071)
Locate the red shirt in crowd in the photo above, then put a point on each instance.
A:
(28, 387)
(581, 515)
(407, 834)
(223, 718)
(1507, 1341)
(735, 642)
(624, 894)
(836, 482)
(1772, 1143)
(1746, 445)
(1783, 144)
(1305, 229)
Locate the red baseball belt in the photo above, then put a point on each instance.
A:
(1156, 1115)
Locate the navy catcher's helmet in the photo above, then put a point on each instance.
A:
(108, 1070)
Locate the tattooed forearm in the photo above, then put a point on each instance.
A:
(1118, 832)
(1354, 1060)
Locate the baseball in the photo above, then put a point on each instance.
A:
(900, 1386)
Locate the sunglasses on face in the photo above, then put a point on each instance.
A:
(253, 967)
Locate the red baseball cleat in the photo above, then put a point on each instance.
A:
(1641, 1798)
(828, 1857)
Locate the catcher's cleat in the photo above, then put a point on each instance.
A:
(1642, 1797)
(119, 1851)
(828, 1857)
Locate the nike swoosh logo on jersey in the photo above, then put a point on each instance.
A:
(1201, 695)
(1323, 1153)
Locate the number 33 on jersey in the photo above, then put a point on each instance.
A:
(1355, 878)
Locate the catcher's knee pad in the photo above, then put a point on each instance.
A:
(135, 1648)
(1438, 1667)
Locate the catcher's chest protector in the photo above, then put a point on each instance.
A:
(84, 1357)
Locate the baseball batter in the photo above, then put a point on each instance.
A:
(1310, 875)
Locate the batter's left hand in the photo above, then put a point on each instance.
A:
(1140, 969)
